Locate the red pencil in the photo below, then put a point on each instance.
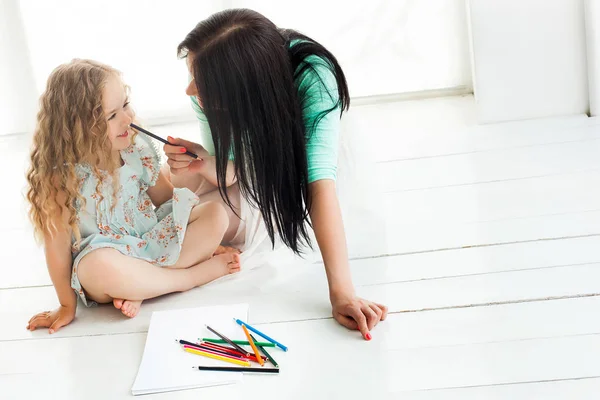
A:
(213, 352)
(229, 350)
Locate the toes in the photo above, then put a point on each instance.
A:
(118, 303)
(130, 309)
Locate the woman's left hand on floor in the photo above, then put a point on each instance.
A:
(357, 314)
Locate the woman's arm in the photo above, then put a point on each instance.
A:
(348, 309)
(205, 165)
(59, 260)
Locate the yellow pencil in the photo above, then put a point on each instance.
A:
(256, 353)
(216, 357)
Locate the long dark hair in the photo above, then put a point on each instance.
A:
(247, 73)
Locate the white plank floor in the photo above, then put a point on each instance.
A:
(484, 241)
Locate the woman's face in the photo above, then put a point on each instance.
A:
(191, 89)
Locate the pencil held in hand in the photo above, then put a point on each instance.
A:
(152, 135)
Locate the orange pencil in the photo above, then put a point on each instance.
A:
(256, 353)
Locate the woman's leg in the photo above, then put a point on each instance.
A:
(106, 274)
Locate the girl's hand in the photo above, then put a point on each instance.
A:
(356, 313)
(181, 163)
(52, 319)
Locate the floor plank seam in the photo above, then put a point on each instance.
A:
(436, 278)
(491, 181)
(500, 303)
(474, 246)
(506, 384)
(515, 340)
(486, 150)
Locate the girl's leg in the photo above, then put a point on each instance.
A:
(209, 193)
(106, 274)
(207, 224)
(233, 192)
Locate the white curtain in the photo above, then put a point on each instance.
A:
(384, 46)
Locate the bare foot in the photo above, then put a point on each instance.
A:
(131, 307)
(226, 249)
(118, 303)
(216, 267)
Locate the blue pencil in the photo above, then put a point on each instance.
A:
(282, 347)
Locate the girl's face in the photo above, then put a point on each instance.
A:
(117, 112)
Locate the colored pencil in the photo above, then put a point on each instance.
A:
(242, 342)
(181, 341)
(282, 347)
(238, 369)
(216, 357)
(233, 354)
(189, 153)
(223, 348)
(235, 346)
(229, 350)
(218, 353)
(220, 350)
(256, 353)
(264, 351)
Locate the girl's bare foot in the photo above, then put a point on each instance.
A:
(118, 303)
(129, 308)
(216, 267)
(226, 249)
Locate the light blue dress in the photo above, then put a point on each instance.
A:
(133, 226)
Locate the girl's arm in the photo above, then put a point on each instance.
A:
(161, 191)
(348, 309)
(57, 249)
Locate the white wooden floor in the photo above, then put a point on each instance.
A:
(484, 241)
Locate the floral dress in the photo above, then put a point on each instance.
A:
(133, 226)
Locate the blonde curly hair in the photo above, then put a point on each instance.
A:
(71, 129)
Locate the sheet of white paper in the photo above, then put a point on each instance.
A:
(167, 367)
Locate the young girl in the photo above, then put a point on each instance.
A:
(93, 186)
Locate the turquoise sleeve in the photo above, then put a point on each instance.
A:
(322, 135)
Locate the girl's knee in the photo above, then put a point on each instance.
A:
(212, 211)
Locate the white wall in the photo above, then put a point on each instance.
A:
(18, 99)
(529, 58)
(592, 26)
(384, 46)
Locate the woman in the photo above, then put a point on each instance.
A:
(270, 101)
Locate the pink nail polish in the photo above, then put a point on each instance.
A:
(368, 336)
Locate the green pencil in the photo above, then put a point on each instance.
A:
(261, 348)
(242, 342)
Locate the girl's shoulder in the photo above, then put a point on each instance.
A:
(142, 155)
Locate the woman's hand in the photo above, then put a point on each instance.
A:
(52, 319)
(356, 313)
(180, 163)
